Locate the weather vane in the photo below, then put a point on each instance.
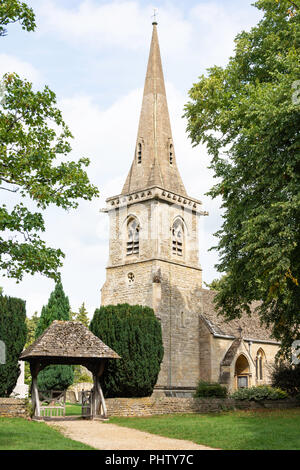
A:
(154, 16)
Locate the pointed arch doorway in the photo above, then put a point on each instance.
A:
(242, 372)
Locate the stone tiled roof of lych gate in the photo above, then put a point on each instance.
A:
(68, 339)
(250, 325)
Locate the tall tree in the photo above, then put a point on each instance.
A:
(31, 324)
(34, 144)
(57, 308)
(134, 332)
(248, 116)
(82, 316)
(57, 377)
(13, 335)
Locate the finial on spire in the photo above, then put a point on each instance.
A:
(154, 16)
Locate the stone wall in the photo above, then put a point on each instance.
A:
(74, 394)
(248, 349)
(165, 405)
(168, 283)
(12, 407)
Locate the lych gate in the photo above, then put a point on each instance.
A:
(69, 343)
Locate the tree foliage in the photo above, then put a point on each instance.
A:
(248, 116)
(57, 308)
(13, 333)
(210, 389)
(57, 377)
(134, 333)
(31, 324)
(287, 377)
(259, 393)
(12, 11)
(34, 146)
(81, 316)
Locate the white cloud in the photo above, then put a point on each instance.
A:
(193, 40)
(203, 34)
(114, 23)
(108, 137)
(9, 63)
(217, 27)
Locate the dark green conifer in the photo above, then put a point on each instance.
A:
(134, 332)
(12, 336)
(55, 377)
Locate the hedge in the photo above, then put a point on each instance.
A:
(13, 333)
(134, 332)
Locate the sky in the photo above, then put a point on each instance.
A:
(93, 54)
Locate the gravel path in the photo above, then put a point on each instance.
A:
(105, 436)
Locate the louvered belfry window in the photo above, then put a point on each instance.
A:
(177, 238)
(133, 237)
(139, 153)
(171, 154)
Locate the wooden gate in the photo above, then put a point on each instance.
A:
(86, 403)
(53, 403)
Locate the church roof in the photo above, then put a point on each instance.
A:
(247, 327)
(68, 339)
(231, 352)
(154, 162)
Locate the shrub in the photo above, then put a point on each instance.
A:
(81, 374)
(13, 333)
(134, 333)
(261, 392)
(287, 377)
(55, 377)
(83, 378)
(210, 389)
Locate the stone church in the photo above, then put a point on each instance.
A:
(154, 261)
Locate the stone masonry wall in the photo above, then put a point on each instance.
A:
(176, 300)
(13, 407)
(168, 283)
(219, 346)
(165, 405)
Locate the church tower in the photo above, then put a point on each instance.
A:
(153, 248)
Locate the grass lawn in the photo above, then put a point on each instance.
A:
(20, 434)
(73, 409)
(236, 430)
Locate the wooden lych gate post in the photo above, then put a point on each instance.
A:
(35, 401)
(98, 406)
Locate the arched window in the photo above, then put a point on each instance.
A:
(177, 238)
(133, 237)
(139, 153)
(259, 364)
(171, 154)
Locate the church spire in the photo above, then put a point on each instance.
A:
(154, 162)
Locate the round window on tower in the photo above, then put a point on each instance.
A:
(130, 278)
